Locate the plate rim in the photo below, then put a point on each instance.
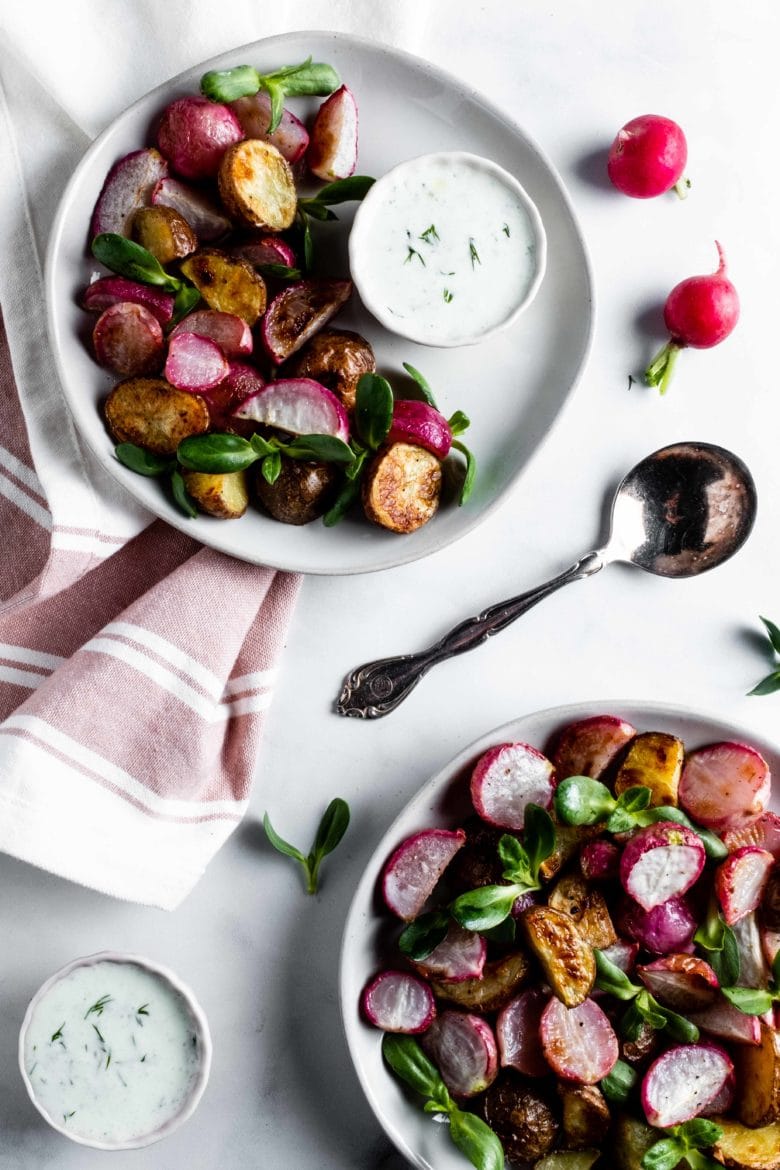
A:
(409, 552)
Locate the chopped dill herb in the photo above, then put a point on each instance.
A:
(505, 229)
(631, 380)
(429, 235)
(58, 1034)
(143, 1010)
(122, 1079)
(67, 1116)
(32, 1070)
(443, 273)
(98, 1007)
(143, 1058)
(447, 296)
(473, 253)
(108, 1058)
(413, 252)
(99, 1034)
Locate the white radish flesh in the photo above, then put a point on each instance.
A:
(661, 862)
(753, 970)
(579, 1043)
(415, 867)
(128, 340)
(111, 290)
(128, 186)
(508, 778)
(725, 786)
(463, 1048)
(396, 1001)
(195, 363)
(299, 406)
(726, 1022)
(254, 113)
(765, 832)
(588, 747)
(517, 1031)
(683, 983)
(231, 333)
(683, 1081)
(460, 955)
(740, 881)
(203, 214)
(333, 148)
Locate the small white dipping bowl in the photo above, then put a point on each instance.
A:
(447, 249)
(196, 1022)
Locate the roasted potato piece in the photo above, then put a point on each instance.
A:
(631, 1139)
(524, 1118)
(642, 1048)
(401, 487)
(568, 1160)
(154, 415)
(758, 1078)
(568, 839)
(500, 981)
(257, 185)
(337, 359)
(654, 760)
(587, 909)
(226, 283)
(478, 863)
(586, 1116)
(224, 496)
(567, 960)
(748, 1149)
(302, 492)
(164, 233)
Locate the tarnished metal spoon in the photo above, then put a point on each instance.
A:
(682, 510)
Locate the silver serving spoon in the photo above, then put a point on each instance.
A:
(681, 511)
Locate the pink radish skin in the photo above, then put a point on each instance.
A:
(463, 1048)
(668, 927)
(461, 955)
(110, 290)
(266, 250)
(725, 786)
(194, 133)
(298, 312)
(128, 186)
(240, 383)
(579, 1043)
(290, 138)
(660, 862)
(506, 779)
(588, 747)
(600, 861)
(203, 214)
(128, 340)
(648, 156)
(299, 406)
(765, 832)
(333, 148)
(740, 881)
(682, 1082)
(421, 425)
(195, 363)
(683, 983)
(726, 1022)
(415, 867)
(517, 1031)
(231, 333)
(623, 954)
(396, 1001)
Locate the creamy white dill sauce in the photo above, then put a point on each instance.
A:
(447, 248)
(112, 1052)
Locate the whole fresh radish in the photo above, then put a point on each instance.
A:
(648, 157)
(699, 312)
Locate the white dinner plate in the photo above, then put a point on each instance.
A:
(513, 386)
(444, 802)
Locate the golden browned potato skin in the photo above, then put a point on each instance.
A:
(164, 233)
(587, 909)
(568, 839)
(227, 283)
(758, 1078)
(337, 359)
(154, 415)
(522, 1116)
(586, 1116)
(257, 185)
(302, 493)
(566, 959)
(223, 496)
(654, 760)
(748, 1149)
(402, 487)
(500, 981)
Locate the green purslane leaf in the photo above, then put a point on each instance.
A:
(373, 409)
(271, 467)
(579, 800)
(651, 1013)
(634, 799)
(458, 423)
(612, 979)
(332, 827)
(279, 271)
(279, 843)
(421, 937)
(467, 487)
(773, 633)
(713, 846)
(618, 1085)
(513, 855)
(538, 837)
(343, 502)
(685, 1141)
(700, 1133)
(504, 934)
(227, 85)
(664, 1155)
(316, 210)
(408, 1061)
(325, 448)
(720, 943)
(776, 972)
(129, 259)
(216, 454)
(679, 1028)
(476, 1140)
(422, 382)
(187, 297)
(485, 908)
(771, 683)
(181, 496)
(750, 1001)
(141, 461)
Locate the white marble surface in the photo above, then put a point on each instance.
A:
(261, 955)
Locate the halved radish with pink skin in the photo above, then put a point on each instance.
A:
(203, 214)
(463, 1048)
(128, 339)
(266, 250)
(128, 186)
(660, 862)
(231, 333)
(194, 133)
(623, 954)
(600, 861)
(517, 1031)
(297, 312)
(588, 747)
(333, 148)
(579, 1043)
(668, 927)
(460, 955)
(415, 867)
(726, 1022)
(740, 881)
(422, 425)
(725, 786)
(683, 983)
(110, 290)
(195, 363)
(506, 779)
(299, 406)
(765, 832)
(254, 113)
(396, 1001)
(683, 1081)
(723, 1101)
(240, 383)
(753, 970)
(770, 944)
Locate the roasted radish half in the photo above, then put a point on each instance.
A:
(412, 872)
(203, 214)
(111, 290)
(333, 148)
(508, 778)
(725, 786)
(683, 983)
(396, 1001)
(682, 1082)
(299, 406)
(195, 363)
(463, 1048)
(660, 862)
(298, 312)
(740, 881)
(254, 113)
(579, 1042)
(231, 333)
(588, 747)
(128, 339)
(194, 134)
(460, 955)
(129, 185)
(517, 1030)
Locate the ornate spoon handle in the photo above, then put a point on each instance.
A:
(377, 688)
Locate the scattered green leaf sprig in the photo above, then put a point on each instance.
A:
(753, 1001)
(219, 454)
(126, 258)
(319, 207)
(619, 1083)
(458, 423)
(310, 77)
(332, 828)
(719, 943)
(685, 1141)
(470, 1133)
(643, 1007)
(771, 683)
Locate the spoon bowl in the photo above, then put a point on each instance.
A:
(679, 512)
